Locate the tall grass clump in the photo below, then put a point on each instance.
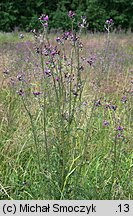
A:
(66, 119)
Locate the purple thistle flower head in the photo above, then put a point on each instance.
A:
(44, 17)
(118, 135)
(57, 78)
(45, 24)
(53, 53)
(58, 39)
(109, 21)
(44, 20)
(36, 93)
(105, 123)
(98, 103)
(124, 99)
(119, 128)
(71, 14)
(66, 35)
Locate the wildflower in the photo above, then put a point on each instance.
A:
(98, 103)
(36, 93)
(74, 38)
(57, 78)
(44, 20)
(58, 39)
(45, 24)
(66, 35)
(53, 53)
(71, 14)
(105, 123)
(108, 25)
(124, 99)
(48, 62)
(118, 135)
(45, 52)
(109, 21)
(44, 17)
(119, 128)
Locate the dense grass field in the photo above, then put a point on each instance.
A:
(66, 116)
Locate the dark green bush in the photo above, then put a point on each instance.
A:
(23, 15)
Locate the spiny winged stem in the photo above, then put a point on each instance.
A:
(72, 103)
(70, 90)
(79, 82)
(72, 109)
(58, 88)
(105, 67)
(44, 100)
(33, 131)
(70, 84)
(64, 153)
(78, 79)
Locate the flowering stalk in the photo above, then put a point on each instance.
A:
(33, 131)
(108, 25)
(44, 21)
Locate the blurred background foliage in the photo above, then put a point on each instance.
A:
(23, 15)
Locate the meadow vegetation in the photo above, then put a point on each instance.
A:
(66, 115)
